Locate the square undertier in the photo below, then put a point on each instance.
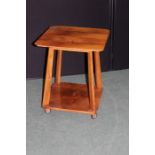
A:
(72, 97)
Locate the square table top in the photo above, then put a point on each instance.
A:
(81, 39)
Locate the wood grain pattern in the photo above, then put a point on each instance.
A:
(72, 97)
(71, 38)
(58, 67)
(91, 81)
(83, 98)
(48, 77)
(98, 73)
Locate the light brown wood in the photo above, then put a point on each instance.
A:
(68, 96)
(72, 97)
(72, 38)
(91, 82)
(98, 73)
(48, 77)
(58, 67)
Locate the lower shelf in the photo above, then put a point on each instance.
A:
(72, 97)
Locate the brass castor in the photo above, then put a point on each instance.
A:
(94, 116)
(47, 111)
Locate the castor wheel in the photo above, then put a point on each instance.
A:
(94, 116)
(47, 111)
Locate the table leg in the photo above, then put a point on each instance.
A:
(48, 77)
(58, 67)
(91, 82)
(98, 73)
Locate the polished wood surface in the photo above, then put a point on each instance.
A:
(91, 81)
(98, 75)
(72, 38)
(58, 67)
(72, 97)
(48, 77)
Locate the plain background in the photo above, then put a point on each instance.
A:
(13, 81)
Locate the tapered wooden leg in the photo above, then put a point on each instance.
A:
(48, 77)
(91, 82)
(58, 67)
(98, 73)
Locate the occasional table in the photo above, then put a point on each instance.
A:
(73, 97)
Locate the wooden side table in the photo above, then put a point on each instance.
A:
(72, 97)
